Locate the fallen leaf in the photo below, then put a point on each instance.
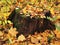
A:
(12, 31)
(21, 38)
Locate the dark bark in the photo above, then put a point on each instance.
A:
(27, 25)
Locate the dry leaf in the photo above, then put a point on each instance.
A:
(21, 38)
(52, 11)
(57, 32)
(12, 31)
(1, 33)
(31, 44)
(34, 40)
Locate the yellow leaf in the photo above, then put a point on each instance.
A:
(24, 10)
(58, 17)
(12, 31)
(0, 22)
(1, 33)
(21, 38)
(9, 22)
(31, 44)
(5, 21)
(32, 1)
(59, 5)
(34, 40)
(52, 11)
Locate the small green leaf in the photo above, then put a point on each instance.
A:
(17, 10)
